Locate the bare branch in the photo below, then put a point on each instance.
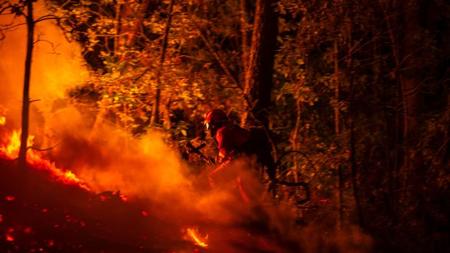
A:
(216, 55)
(34, 100)
(42, 149)
(46, 17)
(8, 28)
(52, 45)
(5, 6)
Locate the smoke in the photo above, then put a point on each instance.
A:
(109, 159)
(148, 169)
(57, 65)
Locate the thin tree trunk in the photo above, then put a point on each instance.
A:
(155, 113)
(118, 28)
(404, 49)
(139, 20)
(353, 162)
(26, 86)
(295, 142)
(337, 130)
(387, 6)
(244, 34)
(354, 169)
(409, 74)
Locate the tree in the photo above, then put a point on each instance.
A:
(155, 114)
(24, 9)
(258, 68)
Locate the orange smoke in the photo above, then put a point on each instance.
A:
(57, 65)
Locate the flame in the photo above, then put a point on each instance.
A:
(2, 120)
(194, 236)
(12, 148)
(35, 159)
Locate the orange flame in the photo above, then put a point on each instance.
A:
(11, 150)
(194, 236)
(2, 120)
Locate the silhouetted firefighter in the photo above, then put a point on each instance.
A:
(233, 141)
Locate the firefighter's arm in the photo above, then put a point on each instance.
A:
(225, 145)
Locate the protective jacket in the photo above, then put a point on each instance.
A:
(233, 141)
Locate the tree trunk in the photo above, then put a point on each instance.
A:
(258, 73)
(118, 27)
(244, 35)
(138, 23)
(409, 74)
(352, 141)
(26, 86)
(295, 133)
(155, 113)
(337, 130)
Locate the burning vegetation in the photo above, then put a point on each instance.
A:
(10, 150)
(331, 134)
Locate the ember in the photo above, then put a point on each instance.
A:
(28, 230)
(197, 238)
(10, 198)
(9, 238)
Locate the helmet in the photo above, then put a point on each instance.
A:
(215, 118)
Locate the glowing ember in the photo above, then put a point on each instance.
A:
(28, 230)
(9, 238)
(123, 197)
(195, 237)
(10, 198)
(2, 120)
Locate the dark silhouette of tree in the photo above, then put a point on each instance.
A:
(258, 67)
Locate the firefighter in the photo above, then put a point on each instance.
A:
(233, 141)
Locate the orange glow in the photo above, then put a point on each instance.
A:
(2, 120)
(199, 240)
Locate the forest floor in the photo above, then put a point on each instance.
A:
(40, 214)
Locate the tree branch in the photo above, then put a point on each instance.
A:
(46, 17)
(216, 55)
